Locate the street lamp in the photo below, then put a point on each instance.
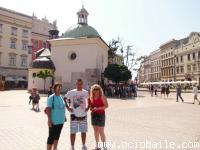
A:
(199, 67)
(175, 68)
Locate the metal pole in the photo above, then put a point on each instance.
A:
(199, 70)
(174, 68)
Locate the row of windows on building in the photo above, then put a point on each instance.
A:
(170, 54)
(179, 59)
(25, 34)
(167, 62)
(36, 44)
(12, 58)
(189, 57)
(155, 76)
(155, 69)
(14, 31)
(155, 63)
(179, 70)
(166, 55)
(13, 43)
(167, 72)
(191, 68)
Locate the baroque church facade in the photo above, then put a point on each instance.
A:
(80, 53)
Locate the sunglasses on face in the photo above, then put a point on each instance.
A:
(96, 89)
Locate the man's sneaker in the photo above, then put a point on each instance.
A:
(84, 147)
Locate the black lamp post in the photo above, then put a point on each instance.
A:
(199, 68)
(175, 68)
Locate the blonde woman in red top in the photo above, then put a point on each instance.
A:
(98, 103)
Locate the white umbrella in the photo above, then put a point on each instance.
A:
(10, 79)
(194, 81)
(21, 79)
(186, 82)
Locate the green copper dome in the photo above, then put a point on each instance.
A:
(81, 30)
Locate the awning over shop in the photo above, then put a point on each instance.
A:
(10, 79)
(172, 82)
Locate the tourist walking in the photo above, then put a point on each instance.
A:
(167, 90)
(97, 104)
(55, 111)
(163, 90)
(155, 90)
(178, 93)
(77, 99)
(34, 98)
(195, 92)
(136, 89)
(152, 90)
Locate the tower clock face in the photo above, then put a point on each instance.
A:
(73, 56)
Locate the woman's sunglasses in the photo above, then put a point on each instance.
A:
(96, 89)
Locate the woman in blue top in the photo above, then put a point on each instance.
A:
(56, 117)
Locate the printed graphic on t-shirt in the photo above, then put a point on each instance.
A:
(78, 101)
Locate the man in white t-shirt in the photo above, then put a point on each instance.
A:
(195, 92)
(77, 99)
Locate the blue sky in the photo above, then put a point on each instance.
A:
(146, 24)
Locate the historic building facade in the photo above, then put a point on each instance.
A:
(40, 33)
(15, 36)
(155, 66)
(187, 53)
(167, 60)
(147, 68)
(117, 59)
(176, 60)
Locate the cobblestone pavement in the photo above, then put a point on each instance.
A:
(142, 119)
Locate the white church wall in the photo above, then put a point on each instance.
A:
(86, 58)
(91, 60)
(37, 82)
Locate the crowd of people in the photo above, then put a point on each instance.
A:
(121, 90)
(165, 91)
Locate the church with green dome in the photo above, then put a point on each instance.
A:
(79, 53)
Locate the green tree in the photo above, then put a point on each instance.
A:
(44, 74)
(114, 46)
(117, 73)
(125, 73)
(112, 72)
